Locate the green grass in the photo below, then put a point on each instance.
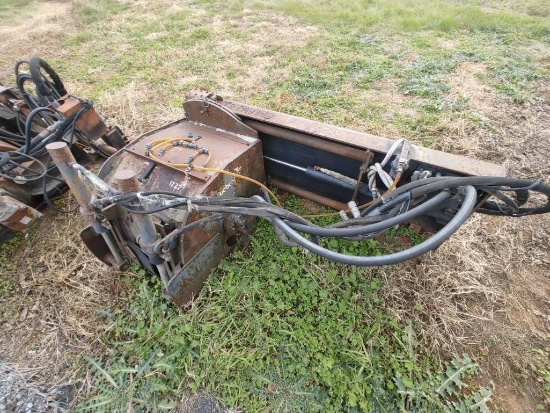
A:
(541, 368)
(98, 10)
(279, 330)
(275, 329)
(11, 9)
(416, 16)
(357, 46)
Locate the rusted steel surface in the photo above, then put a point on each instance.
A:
(202, 248)
(216, 117)
(16, 215)
(308, 195)
(64, 160)
(190, 279)
(441, 160)
(314, 142)
(226, 154)
(5, 147)
(89, 123)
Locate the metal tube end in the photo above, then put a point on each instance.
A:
(60, 152)
(126, 180)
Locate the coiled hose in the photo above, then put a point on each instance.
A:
(431, 243)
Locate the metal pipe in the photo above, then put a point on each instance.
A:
(325, 175)
(163, 275)
(118, 258)
(290, 165)
(143, 224)
(308, 195)
(65, 162)
(126, 181)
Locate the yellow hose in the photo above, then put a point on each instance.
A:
(158, 143)
(220, 171)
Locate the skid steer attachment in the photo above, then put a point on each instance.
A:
(177, 199)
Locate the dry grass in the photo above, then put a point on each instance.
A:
(132, 109)
(62, 290)
(37, 30)
(486, 290)
(480, 292)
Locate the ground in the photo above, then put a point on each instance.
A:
(457, 76)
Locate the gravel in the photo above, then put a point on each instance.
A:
(23, 395)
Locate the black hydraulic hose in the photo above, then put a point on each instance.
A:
(18, 65)
(28, 157)
(27, 97)
(45, 190)
(10, 135)
(189, 227)
(371, 219)
(490, 181)
(4, 158)
(46, 91)
(38, 143)
(28, 126)
(20, 124)
(431, 243)
(49, 201)
(283, 239)
(234, 206)
(426, 206)
(429, 185)
(60, 131)
(514, 207)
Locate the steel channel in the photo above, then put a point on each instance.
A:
(303, 139)
(292, 127)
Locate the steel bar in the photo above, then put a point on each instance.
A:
(308, 195)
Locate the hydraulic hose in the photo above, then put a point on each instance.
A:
(28, 126)
(430, 185)
(27, 97)
(47, 91)
(435, 241)
(426, 206)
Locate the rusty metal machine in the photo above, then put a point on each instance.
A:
(178, 199)
(37, 112)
